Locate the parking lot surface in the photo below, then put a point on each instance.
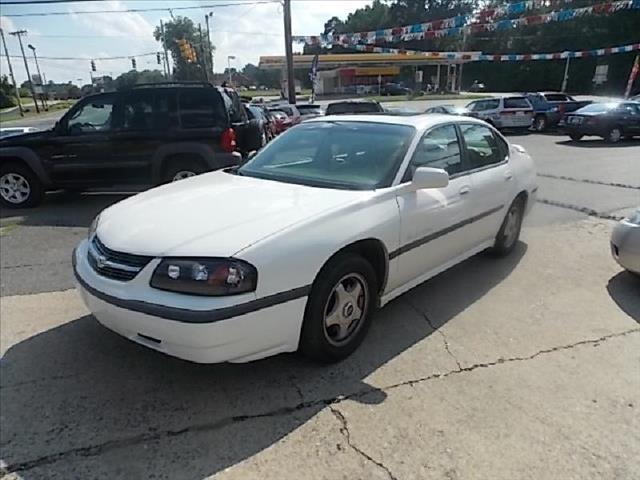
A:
(523, 367)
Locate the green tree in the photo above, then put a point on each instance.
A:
(133, 77)
(6, 93)
(177, 29)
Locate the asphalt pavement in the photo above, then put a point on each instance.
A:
(525, 367)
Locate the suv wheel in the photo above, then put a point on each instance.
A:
(614, 135)
(19, 186)
(181, 169)
(339, 309)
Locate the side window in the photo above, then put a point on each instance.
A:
(201, 108)
(483, 148)
(439, 148)
(94, 116)
(165, 110)
(491, 104)
(137, 111)
(475, 106)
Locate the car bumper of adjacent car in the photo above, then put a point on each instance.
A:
(146, 316)
(625, 246)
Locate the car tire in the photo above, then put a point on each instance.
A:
(331, 342)
(509, 233)
(19, 186)
(576, 137)
(540, 123)
(181, 169)
(614, 135)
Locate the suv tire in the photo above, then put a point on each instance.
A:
(331, 342)
(19, 186)
(540, 123)
(179, 169)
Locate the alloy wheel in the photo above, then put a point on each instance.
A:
(182, 174)
(512, 225)
(345, 309)
(615, 135)
(14, 188)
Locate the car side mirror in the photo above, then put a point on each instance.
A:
(427, 177)
(251, 154)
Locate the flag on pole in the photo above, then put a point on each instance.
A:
(632, 76)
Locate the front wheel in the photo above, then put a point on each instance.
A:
(576, 137)
(181, 169)
(339, 309)
(509, 232)
(19, 186)
(614, 135)
(540, 123)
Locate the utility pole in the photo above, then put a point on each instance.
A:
(565, 79)
(291, 86)
(19, 34)
(164, 47)
(13, 79)
(42, 82)
(206, 18)
(202, 60)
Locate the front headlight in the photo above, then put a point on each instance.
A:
(93, 227)
(634, 218)
(205, 276)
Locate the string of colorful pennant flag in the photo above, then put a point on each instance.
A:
(467, 24)
(509, 57)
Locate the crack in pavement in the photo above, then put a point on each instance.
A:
(588, 211)
(26, 265)
(97, 449)
(442, 334)
(586, 180)
(344, 430)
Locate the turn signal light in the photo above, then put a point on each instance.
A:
(228, 140)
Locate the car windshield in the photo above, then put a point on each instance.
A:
(597, 108)
(352, 107)
(309, 109)
(347, 155)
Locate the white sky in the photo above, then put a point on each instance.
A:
(245, 31)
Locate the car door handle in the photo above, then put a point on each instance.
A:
(464, 190)
(508, 176)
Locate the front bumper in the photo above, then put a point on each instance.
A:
(200, 329)
(625, 246)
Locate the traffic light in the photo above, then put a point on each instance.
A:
(158, 58)
(93, 66)
(133, 63)
(186, 50)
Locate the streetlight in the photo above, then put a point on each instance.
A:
(33, 49)
(206, 18)
(229, 58)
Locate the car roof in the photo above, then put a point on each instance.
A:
(355, 100)
(421, 121)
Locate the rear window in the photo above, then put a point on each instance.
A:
(597, 108)
(342, 108)
(306, 109)
(558, 97)
(516, 102)
(202, 108)
(484, 105)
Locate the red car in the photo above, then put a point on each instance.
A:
(282, 120)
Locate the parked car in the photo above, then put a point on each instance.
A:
(318, 230)
(149, 134)
(309, 111)
(395, 110)
(477, 86)
(13, 131)
(611, 121)
(503, 112)
(291, 110)
(625, 243)
(448, 110)
(282, 120)
(394, 89)
(271, 120)
(551, 107)
(350, 107)
(256, 114)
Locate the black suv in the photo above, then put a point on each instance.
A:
(146, 135)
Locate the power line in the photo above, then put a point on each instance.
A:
(34, 2)
(42, 35)
(138, 10)
(122, 57)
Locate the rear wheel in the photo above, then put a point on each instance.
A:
(339, 308)
(19, 186)
(614, 135)
(509, 232)
(576, 137)
(540, 123)
(179, 169)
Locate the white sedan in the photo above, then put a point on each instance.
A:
(296, 249)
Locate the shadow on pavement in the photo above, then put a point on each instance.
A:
(598, 143)
(64, 209)
(624, 289)
(78, 398)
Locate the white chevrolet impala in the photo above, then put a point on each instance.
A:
(296, 249)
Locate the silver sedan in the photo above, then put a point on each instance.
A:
(625, 243)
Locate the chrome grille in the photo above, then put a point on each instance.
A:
(115, 265)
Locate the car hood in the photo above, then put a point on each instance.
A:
(20, 138)
(215, 214)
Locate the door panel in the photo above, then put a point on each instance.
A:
(492, 178)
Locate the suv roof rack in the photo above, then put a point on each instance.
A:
(173, 84)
